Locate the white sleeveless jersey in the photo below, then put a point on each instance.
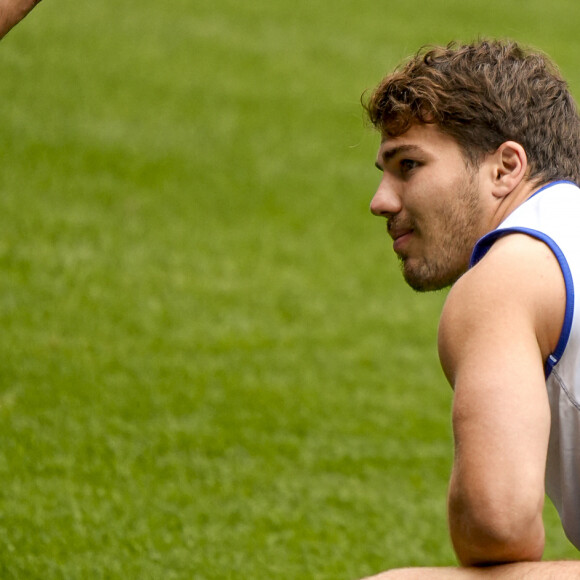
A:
(552, 215)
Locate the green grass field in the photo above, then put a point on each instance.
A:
(210, 367)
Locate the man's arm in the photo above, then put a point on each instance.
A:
(563, 570)
(12, 12)
(500, 322)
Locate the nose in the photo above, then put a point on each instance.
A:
(386, 201)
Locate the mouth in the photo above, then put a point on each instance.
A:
(400, 235)
(401, 240)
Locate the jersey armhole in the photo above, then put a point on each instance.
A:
(483, 246)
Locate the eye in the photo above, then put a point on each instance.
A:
(407, 165)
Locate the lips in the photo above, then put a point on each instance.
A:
(400, 235)
(401, 241)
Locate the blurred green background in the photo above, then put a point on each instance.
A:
(210, 366)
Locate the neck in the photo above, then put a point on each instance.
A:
(511, 202)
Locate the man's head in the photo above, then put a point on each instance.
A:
(482, 95)
(433, 203)
(468, 133)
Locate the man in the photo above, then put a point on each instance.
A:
(12, 12)
(480, 152)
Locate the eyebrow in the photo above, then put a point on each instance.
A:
(390, 153)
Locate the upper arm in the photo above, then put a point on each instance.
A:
(500, 322)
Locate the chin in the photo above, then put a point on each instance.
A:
(427, 286)
(428, 282)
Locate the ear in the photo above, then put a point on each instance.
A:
(509, 164)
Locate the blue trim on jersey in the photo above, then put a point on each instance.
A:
(484, 243)
(552, 183)
(483, 246)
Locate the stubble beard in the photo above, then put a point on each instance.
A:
(448, 256)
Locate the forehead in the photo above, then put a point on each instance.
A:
(420, 138)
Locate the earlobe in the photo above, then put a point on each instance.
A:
(510, 166)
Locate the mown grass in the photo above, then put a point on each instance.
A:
(210, 367)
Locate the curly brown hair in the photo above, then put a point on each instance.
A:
(482, 95)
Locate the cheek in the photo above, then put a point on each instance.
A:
(431, 220)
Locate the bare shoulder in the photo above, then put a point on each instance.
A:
(517, 288)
